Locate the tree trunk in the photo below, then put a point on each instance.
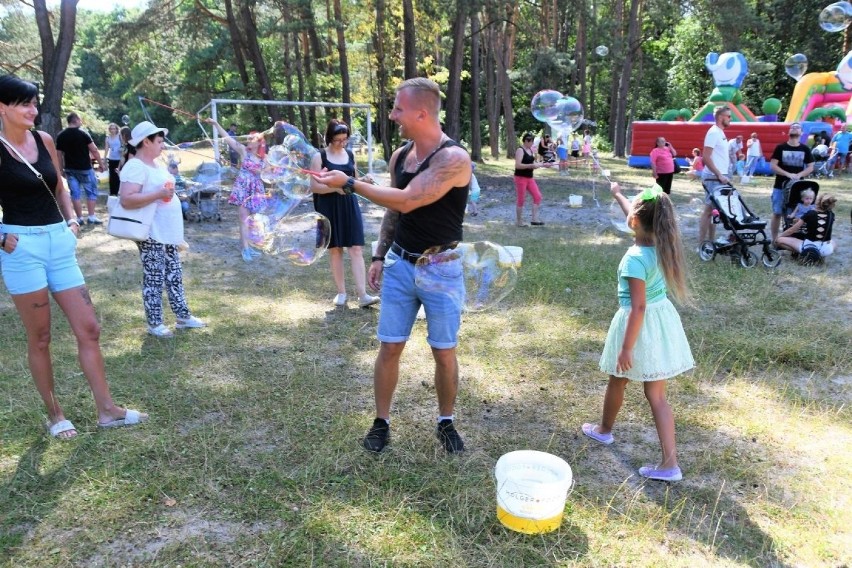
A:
(475, 136)
(289, 111)
(256, 58)
(633, 46)
(409, 49)
(237, 43)
(452, 120)
(382, 76)
(504, 63)
(579, 74)
(492, 111)
(55, 58)
(618, 54)
(344, 61)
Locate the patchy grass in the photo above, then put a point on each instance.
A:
(253, 456)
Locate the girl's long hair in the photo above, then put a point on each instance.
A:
(657, 217)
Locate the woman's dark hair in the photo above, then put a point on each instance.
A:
(15, 91)
(334, 128)
(151, 137)
(527, 137)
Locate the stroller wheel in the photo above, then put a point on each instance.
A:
(748, 259)
(771, 257)
(707, 250)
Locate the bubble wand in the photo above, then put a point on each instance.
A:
(604, 173)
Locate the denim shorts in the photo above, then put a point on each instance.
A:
(45, 256)
(401, 298)
(709, 185)
(778, 201)
(82, 180)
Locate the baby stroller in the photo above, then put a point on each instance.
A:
(746, 230)
(203, 193)
(792, 192)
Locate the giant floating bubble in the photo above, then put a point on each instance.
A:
(301, 239)
(476, 276)
(543, 105)
(380, 166)
(796, 66)
(836, 17)
(618, 218)
(569, 115)
(696, 204)
(602, 50)
(125, 120)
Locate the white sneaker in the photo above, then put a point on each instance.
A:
(367, 300)
(191, 322)
(340, 300)
(160, 331)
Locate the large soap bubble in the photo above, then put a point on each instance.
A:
(696, 204)
(836, 17)
(476, 276)
(543, 105)
(301, 239)
(569, 115)
(602, 50)
(618, 218)
(380, 166)
(796, 66)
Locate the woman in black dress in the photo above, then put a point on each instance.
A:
(344, 214)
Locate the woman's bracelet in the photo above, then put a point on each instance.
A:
(372, 259)
(70, 222)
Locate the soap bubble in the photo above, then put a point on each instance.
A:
(618, 218)
(602, 50)
(476, 276)
(380, 166)
(836, 17)
(259, 231)
(569, 115)
(696, 205)
(796, 66)
(543, 105)
(125, 120)
(301, 239)
(294, 187)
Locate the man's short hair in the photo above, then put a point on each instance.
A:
(425, 90)
(719, 110)
(72, 117)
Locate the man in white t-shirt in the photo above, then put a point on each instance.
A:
(753, 154)
(735, 147)
(717, 164)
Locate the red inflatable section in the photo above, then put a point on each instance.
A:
(685, 136)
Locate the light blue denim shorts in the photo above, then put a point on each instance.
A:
(82, 180)
(45, 257)
(401, 298)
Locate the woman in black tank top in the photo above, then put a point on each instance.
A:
(524, 165)
(816, 225)
(38, 252)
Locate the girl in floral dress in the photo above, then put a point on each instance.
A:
(248, 192)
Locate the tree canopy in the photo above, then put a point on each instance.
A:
(490, 57)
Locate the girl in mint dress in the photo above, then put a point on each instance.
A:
(646, 342)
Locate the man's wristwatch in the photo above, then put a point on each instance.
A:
(349, 186)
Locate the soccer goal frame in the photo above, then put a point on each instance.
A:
(213, 105)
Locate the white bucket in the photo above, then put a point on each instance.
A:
(511, 255)
(575, 200)
(531, 490)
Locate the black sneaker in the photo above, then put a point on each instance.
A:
(378, 435)
(446, 432)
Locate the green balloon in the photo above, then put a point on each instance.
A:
(670, 114)
(771, 106)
